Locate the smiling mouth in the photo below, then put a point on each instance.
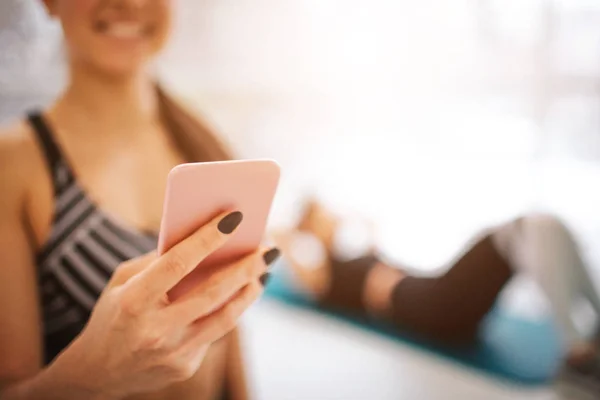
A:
(123, 30)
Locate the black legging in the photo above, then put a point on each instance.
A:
(447, 308)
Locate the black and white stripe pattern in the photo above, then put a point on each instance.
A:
(84, 248)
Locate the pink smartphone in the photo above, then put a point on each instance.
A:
(198, 192)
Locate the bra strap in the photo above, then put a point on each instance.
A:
(59, 169)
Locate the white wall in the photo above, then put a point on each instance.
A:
(435, 118)
(31, 67)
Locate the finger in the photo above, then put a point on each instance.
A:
(213, 292)
(130, 268)
(155, 281)
(213, 327)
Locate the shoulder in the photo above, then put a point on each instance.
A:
(18, 150)
(19, 159)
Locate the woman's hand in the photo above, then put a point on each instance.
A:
(139, 339)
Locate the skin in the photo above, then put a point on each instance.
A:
(137, 344)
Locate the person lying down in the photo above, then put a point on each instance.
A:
(449, 308)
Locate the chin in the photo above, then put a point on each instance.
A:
(121, 67)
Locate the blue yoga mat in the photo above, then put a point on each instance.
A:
(509, 348)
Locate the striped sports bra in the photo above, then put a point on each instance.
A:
(84, 248)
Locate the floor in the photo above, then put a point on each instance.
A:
(295, 354)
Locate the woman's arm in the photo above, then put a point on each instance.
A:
(236, 385)
(20, 337)
(21, 374)
(51, 383)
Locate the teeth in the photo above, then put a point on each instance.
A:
(124, 30)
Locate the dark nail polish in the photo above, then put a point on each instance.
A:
(230, 222)
(264, 278)
(270, 256)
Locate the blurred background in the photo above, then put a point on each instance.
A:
(433, 118)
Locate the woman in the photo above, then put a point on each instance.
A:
(448, 308)
(82, 188)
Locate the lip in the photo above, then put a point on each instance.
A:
(125, 30)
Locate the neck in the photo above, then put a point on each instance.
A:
(114, 104)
